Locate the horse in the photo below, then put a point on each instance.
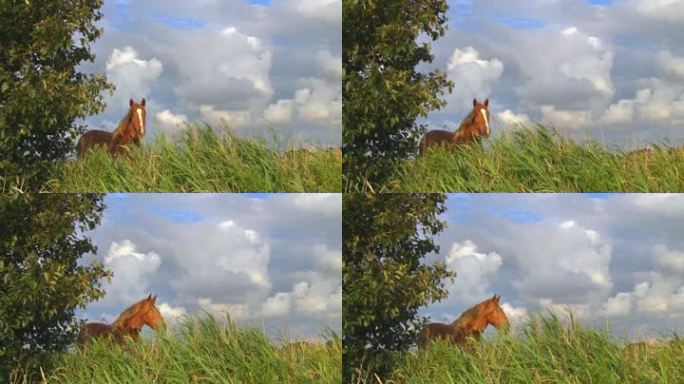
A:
(473, 128)
(127, 325)
(130, 130)
(470, 324)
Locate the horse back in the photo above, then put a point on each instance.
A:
(436, 137)
(434, 331)
(92, 330)
(91, 139)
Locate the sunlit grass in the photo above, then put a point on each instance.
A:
(202, 350)
(202, 160)
(539, 160)
(546, 350)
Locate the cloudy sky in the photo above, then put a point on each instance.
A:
(612, 70)
(268, 260)
(611, 258)
(258, 65)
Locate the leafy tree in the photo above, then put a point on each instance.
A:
(41, 93)
(384, 282)
(382, 91)
(41, 281)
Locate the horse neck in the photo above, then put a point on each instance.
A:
(124, 127)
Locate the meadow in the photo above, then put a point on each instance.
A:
(200, 350)
(545, 350)
(541, 160)
(202, 160)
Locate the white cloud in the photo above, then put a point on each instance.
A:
(169, 121)
(132, 76)
(235, 119)
(510, 119)
(516, 315)
(234, 312)
(671, 64)
(618, 305)
(474, 76)
(474, 270)
(172, 314)
(132, 272)
(572, 119)
(669, 259)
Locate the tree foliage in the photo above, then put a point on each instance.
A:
(384, 281)
(383, 93)
(41, 92)
(41, 282)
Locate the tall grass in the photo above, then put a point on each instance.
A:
(202, 350)
(545, 351)
(540, 160)
(203, 161)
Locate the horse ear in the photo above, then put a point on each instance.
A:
(154, 298)
(130, 103)
(486, 103)
(149, 297)
(474, 102)
(143, 102)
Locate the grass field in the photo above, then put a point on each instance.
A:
(544, 351)
(201, 350)
(203, 161)
(539, 160)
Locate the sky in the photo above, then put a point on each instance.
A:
(261, 67)
(271, 261)
(613, 259)
(611, 70)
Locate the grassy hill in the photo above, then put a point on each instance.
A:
(539, 160)
(544, 351)
(203, 161)
(201, 350)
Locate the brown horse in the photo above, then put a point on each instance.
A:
(130, 130)
(128, 324)
(470, 324)
(473, 128)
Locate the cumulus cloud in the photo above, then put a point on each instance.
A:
(172, 314)
(474, 76)
(169, 121)
(228, 61)
(510, 119)
(132, 272)
(584, 253)
(132, 76)
(516, 315)
(474, 270)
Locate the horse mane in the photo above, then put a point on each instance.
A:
(122, 124)
(468, 120)
(128, 314)
(466, 317)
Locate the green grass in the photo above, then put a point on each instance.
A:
(539, 160)
(544, 351)
(203, 161)
(202, 350)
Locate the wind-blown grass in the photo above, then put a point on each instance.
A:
(203, 161)
(540, 160)
(545, 351)
(202, 350)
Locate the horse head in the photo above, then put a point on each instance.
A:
(136, 124)
(144, 312)
(493, 314)
(480, 121)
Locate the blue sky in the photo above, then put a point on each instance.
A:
(612, 71)
(268, 260)
(611, 258)
(259, 68)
